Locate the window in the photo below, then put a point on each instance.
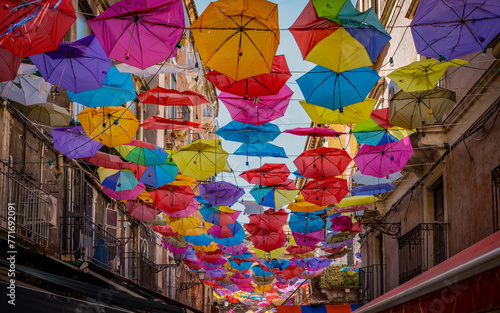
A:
(495, 189)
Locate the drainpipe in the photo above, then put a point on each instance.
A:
(41, 165)
(60, 164)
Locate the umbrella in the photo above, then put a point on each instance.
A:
(201, 240)
(356, 200)
(309, 239)
(252, 207)
(117, 89)
(325, 192)
(383, 160)
(125, 194)
(143, 153)
(257, 110)
(242, 266)
(223, 231)
(171, 199)
(158, 122)
(26, 90)
(267, 175)
(260, 85)
(269, 220)
(221, 193)
(322, 163)
(163, 96)
(164, 68)
(449, 30)
(353, 208)
(108, 161)
(76, 66)
(111, 126)
(314, 132)
(156, 175)
(301, 205)
(46, 113)
(300, 249)
(341, 223)
(117, 180)
(9, 63)
(422, 75)
(183, 225)
(28, 28)
(238, 39)
(261, 271)
(332, 90)
(361, 179)
(273, 254)
(142, 211)
(305, 222)
(354, 113)
(173, 249)
(191, 208)
(261, 149)
(248, 133)
(417, 109)
(234, 250)
(270, 241)
(277, 265)
(139, 32)
(275, 196)
(291, 272)
(176, 241)
(183, 180)
(372, 189)
(237, 239)
(219, 215)
(164, 230)
(74, 143)
(335, 237)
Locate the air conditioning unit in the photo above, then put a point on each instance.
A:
(52, 211)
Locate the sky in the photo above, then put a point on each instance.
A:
(288, 11)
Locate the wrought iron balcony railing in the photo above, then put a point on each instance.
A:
(140, 269)
(371, 282)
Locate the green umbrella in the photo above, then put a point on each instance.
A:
(46, 113)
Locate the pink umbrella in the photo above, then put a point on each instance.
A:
(257, 110)
(309, 239)
(234, 250)
(164, 230)
(191, 208)
(142, 211)
(314, 132)
(341, 223)
(131, 194)
(384, 160)
(108, 161)
(173, 249)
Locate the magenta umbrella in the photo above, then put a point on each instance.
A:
(257, 110)
(341, 223)
(309, 239)
(173, 248)
(140, 33)
(125, 194)
(233, 250)
(314, 132)
(142, 211)
(384, 160)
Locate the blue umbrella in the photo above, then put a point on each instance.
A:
(277, 264)
(157, 175)
(264, 149)
(202, 201)
(231, 241)
(332, 90)
(243, 266)
(245, 255)
(305, 222)
(297, 174)
(248, 133)
(367, 190)
(200, 240)
(257, 270)
(121, 180)
(117, 89)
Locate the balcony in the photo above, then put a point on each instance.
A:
(140, 269)
(372, 282)
(421, 248)
(82, 240)
(335, 286)
(25, 207)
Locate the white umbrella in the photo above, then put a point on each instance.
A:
(26, 90)
(167, 68)
(361, 179)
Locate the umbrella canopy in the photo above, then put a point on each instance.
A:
(117, 180)
(46, 113)
(139, 32)
(332, 90)
(235, 240)
(170, 198)
(201, 240)
(183, 180)
(273, 254)
(36, 26)
(305, 222)
(219, 215)
(322, 163)
(164, 68)
(270, 241)
(341, 223)
(261, 149)
(361, 179)
(142, 211)
(417, 109)
(191, 208)
(314, 132)
(183, 225)
(367, 190)
(108, 161)
(156, 175)
(111, 126)
(143, 153)
(248, 133)
(257, 110)
(356, 200)
(26, 90)
(238, 38)
(309, 239)
(158, 122)
(301, 205)
(260, 85)
(444, 30)
(335, 237)
(221, 193)
(300, 249)
(275, 196)
(74, 143)
(383, 160)
(325, 192)
(201, 159)
(10, 63)
(163, 96)
(223, 231)
(269, 220)
(422, 75)
(117, 89)
(125, 194)
(267, 175)
(354, 113)
(76, 66)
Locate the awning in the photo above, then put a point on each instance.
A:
(329, 308)
(465, 283)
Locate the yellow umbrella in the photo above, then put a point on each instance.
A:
(422, 75)
(201, 159)
(183, 180)
(263, 288)
(210, 248)
(301, 205)
(145, 197)
(238, 38)
(273, 254)
(354, 113)
(111, 126)
(356, 200)
(184, 225)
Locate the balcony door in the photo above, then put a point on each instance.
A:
(439, 237)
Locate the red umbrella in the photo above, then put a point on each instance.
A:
(381, 117)
(108, 161)
(33, 27)
(269, 219)
(164, 230)
(325, 192)
(291, 272)
(269, 242)
(322, 163)
(300, 249)
(163, 96)
(157, 122)
(171, 198)
(267, 175)
(9, 63)
(260, 85)
(209, 256)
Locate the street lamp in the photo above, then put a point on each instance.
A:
(201, 274)
(226, 303)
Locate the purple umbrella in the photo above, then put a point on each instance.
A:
(383, 160)
(74, 143)
(140, 33)
(336, 245)
(313, 263)
(233, 250)
(76, 66)
(221, 193)
(125, 194)
(216, 273)
(341, 223)
(311, 273)
(309, 239)
(451, 29)
(257, 110)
